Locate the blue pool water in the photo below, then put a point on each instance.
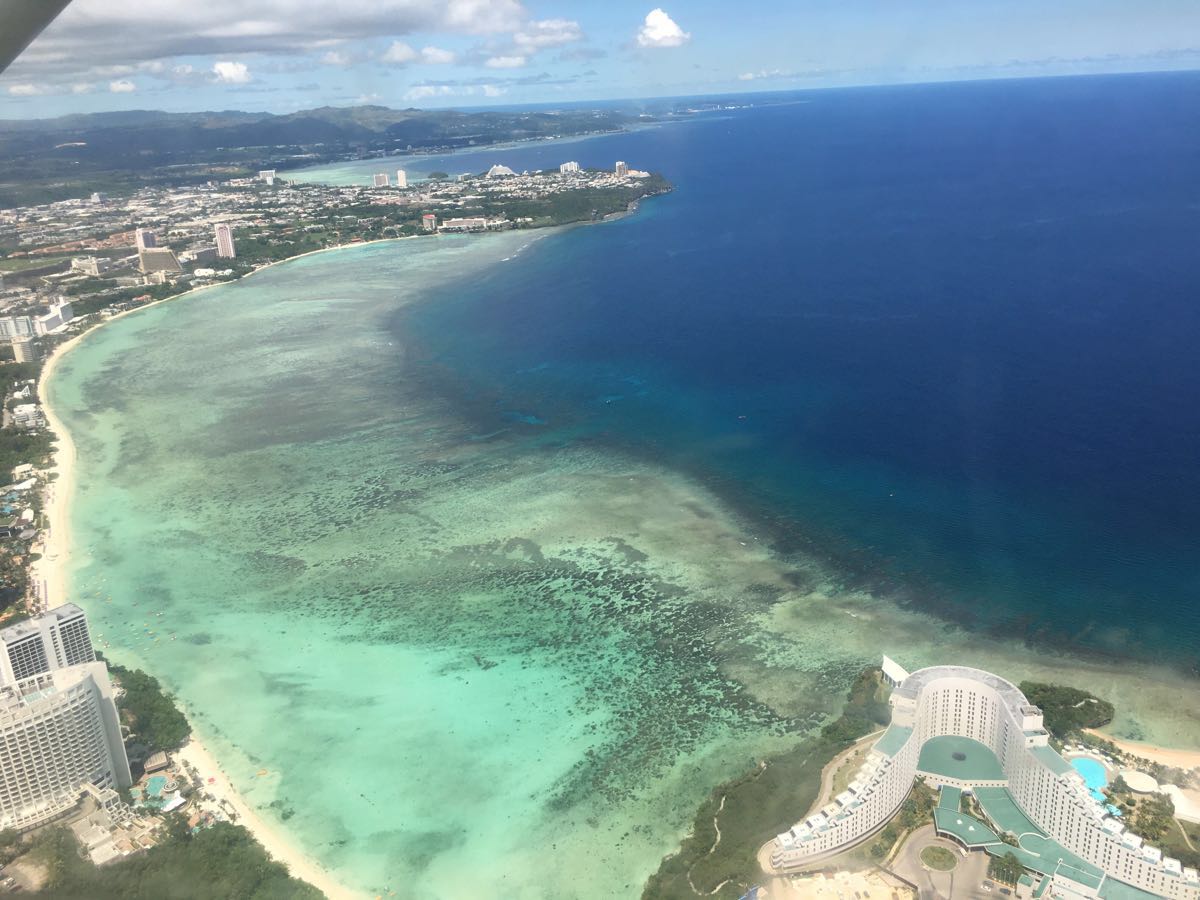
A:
(1094, 775)
(154, 787)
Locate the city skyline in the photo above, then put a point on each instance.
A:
(282, 56)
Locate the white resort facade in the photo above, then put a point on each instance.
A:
(969, 731)
(60, 735)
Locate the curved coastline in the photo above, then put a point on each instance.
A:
(55, 559)
(50, 571)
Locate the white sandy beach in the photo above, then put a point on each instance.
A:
(1167, 756)
(49, 576)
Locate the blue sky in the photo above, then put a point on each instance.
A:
(284, 55)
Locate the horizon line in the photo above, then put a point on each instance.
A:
(635, 100)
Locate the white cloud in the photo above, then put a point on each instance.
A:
(425, 91)
(335, 58)
(26, 90)
(183, 71)
(430, 91)
(123, 86)
(660, 30)
(228, 72)
(763, 73)
(94, 33)
(547, 33)
(506, 62)
(436, 56)
(83, 87)
(400, 54)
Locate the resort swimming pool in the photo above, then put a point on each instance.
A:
(1095, 776)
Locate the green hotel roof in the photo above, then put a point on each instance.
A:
(969, 830)
(1042, 887)
(979, 763)
(893, 739)
(1051, 760)
(1112, 889)
(951, 799)
(1002, 809)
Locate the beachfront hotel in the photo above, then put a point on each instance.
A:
(59, 728)
(966, 731)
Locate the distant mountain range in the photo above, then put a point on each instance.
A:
(147, 132)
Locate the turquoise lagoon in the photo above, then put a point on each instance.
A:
(502, 663)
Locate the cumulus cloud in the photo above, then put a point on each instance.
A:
(228, 72)
(335, 58)
(425, 91)
(28, 89)
(400, 54)
(83, 87)
(660, 30)
(93, 33)
(122, 86)
(436, 56)
(420, 92)
(506, 62)
(545, 33)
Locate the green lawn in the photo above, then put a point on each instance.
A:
(29, 262)
(938, 858)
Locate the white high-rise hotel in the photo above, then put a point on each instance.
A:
(964, 729)
(225, 248)
(59, 729)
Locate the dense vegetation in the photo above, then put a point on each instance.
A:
(17, 446)
(760, 804)
(915, 811)
(222, 861)
(71, 156)
(150, 713)
(1005, 869)
(1067, 710)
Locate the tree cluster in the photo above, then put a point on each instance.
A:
(222, 861)
(149, 712)
(1067, 710)
(1006, 868)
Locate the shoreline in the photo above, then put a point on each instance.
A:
(60, 538)
(49, 576)
(1171, 757)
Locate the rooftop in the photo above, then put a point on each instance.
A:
(893, 739)
(1016, 702)
(960, 758)
(1051, 760)
(1002, 809)
(969, 830)
(22, 630)
(951, 799)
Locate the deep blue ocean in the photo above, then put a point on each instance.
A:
(943, 335)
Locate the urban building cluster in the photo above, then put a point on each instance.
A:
(60, 736)
(969, 732)
(185, 236)
(63, 746)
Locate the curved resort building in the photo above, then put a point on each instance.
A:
(968, 731)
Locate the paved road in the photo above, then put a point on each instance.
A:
(964, 883)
